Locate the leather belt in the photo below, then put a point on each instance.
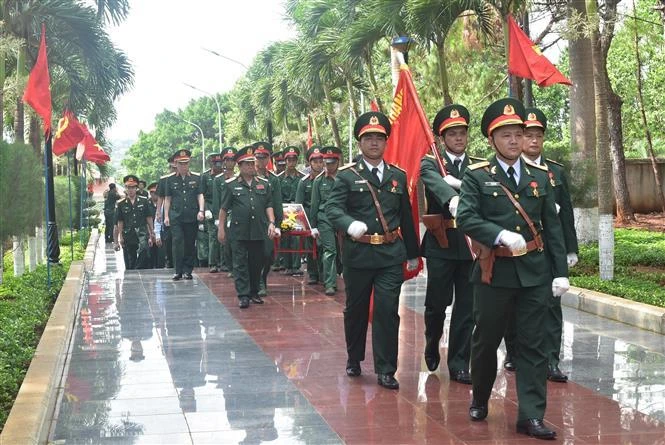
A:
(504, 251)
(377, 239)
(449, 223)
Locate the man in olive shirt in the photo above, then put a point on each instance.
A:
(446, 249)
(228, 155)
(289, 183)
(304, 196)
(159, 213)
(508, 207)
(322, 229)
(111, 197)
(376, 245)
(184, 208)
(249, 199)
(207, 183)
(134, 217)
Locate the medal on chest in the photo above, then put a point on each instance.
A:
(534, 188)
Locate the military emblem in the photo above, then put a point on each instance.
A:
(374, 120)
(183, 153)
(249, 152)
(508, 109)
(454, 113)
(493, 170)
(260, 147)
(532, 117)
(316, 150)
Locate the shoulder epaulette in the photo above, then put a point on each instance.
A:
(167, 175)
(304, 178)
(349, 165)
(261, 178)
(320, 174)
(538, 166)
(398, 168)
(120, 200)
(195, 173)
(476, 159)
(431, 156)
(279, 175)
(141, 197)
(231, 179)
(478, 165)
(207, 171)
(273, 173)
(554, 162)
(220, 174)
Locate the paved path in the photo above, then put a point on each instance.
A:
(154, 361)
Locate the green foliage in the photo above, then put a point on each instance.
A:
(61, 184)
(25, 305)
(21, 187)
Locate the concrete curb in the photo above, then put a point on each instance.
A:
(30, 418)
(640, 315)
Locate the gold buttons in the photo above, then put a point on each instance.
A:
(516, 228)
(517, 196)
(495, 194)
(517, 212)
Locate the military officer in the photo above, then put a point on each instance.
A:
(508, 208)
(278, 160)
(184, 209)
(304, 196)
(445, 247)
(159, 213)
(207, 182)
(321, 226)
(289, 182)
(134, 217)
(262, 153)
(249, 199)
(228, 155)
(142, 189)
(370, 204)
(111, 197)
(157, 253)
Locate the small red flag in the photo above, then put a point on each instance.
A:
(68, 134)
(37, 92)
(526, 60)
(90, 150)
(410, 139)
(310, 141)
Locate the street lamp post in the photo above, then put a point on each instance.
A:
(203, 147)
(225, 57)
(219, 113)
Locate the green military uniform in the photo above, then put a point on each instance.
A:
(328, 248)
(373, 262)
(248, 227)
(520, 286)
(447, 266)
(219, 181)
(135, 217)
(166, 231)
(184, 209)
(304, 197)
(202, 235)
(142, 191)
(289, 186)
(265, 149)
(157, 253)
(110, 201)
(214, 258)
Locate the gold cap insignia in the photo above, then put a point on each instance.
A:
(454, 113)
(229, 151)
(374, 120)
(532, 117)
(260, 147)
(508, 109)
(316, 150)
(249, 151)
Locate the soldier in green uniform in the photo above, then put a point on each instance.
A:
(111, 197)
(532, 150)
(142, 189)
(207, 182)
(159, 214)
(157, 250)
(289, 183)
(278, 160)
(249, 199)
(445, 247)
(380, 237)
(228, 156)
(322, 229)
(507, 207)
(184, 209)
(304, 196)
(134, 217)
(262, 153)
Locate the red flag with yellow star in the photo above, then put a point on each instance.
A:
(68, 134)
(90, 150)
(37, 92)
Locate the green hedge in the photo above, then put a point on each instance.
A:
(25, 306)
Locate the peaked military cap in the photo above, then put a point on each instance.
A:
(506, 111)
(141, 181)
(454, 115)
(246, 153)
(170, 159)
(229, 153)
(314, 152)
(371, 122)
(331, 154)
(215, 157)
(262, 148)
(278, 157)
(182, 155)
(535, 118)
(130, 181)
(152, 186)
(291, 151)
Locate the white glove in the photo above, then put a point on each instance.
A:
(560, 286)
(357, 229)
(315, 233)
(217, 222)
(558, 208)
(572, 259)
(453, 181)
(452, 205)
(208, 214)
(514, 241)
(412, 264)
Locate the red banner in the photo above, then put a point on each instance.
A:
(68, 134)
(37, 92)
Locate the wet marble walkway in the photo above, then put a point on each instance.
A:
(154, 361)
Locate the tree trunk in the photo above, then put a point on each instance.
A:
(624, 208)
(19, 121)
(19, 256)
(331, 115)
(582, 129)
(353, 103)
(2, 256)
(373, 82)
(41, 249)
(443, 72)
(605, 207)
(32, 253)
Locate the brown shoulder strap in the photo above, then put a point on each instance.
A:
(382, 219)
(532, 228)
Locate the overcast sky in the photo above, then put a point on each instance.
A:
(163, 40)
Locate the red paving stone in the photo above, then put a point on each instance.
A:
(302, 330)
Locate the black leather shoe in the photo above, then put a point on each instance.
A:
(432, 356)
(352, 368)
(388, 381)
(535, 428)
(297, 273)
(330, 291)
(554, 374)
(461, 377)
(477, 411)
(508, 364)
(177, 277)
(244, 302)
(256, 299)
(187, 276)
(312, 281)
(214, 269)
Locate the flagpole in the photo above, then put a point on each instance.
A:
(52, 246)
(71, 217)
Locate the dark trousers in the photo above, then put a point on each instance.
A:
(157, 257)
(268, 254)
(314, 265)
(386, 283)
(446, 278)
(108, 228)
(492, 307)
(183, 236)
(553, 328)
(168, 246)
(248, 260)
(129, 254)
